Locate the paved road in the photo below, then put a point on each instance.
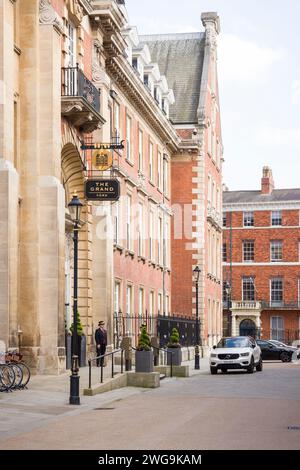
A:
(233, 411)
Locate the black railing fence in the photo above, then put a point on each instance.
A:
(159, 325)
(75, 83)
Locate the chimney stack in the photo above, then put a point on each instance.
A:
(267, 182)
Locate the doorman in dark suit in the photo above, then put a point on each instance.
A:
(101, 342)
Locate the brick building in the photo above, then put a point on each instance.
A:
(74, 72)
(189, 62)
(261, 241)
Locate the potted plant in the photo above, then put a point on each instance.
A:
(174, 347)
(144, 353)
(81, 345)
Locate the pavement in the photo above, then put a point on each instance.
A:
(232, 411)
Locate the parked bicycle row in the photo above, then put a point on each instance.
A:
(14, 374)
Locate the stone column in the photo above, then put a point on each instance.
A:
(233, 325)
(9, 182)
(51, 198)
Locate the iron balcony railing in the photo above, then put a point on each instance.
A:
(75, 83)
(280, 305)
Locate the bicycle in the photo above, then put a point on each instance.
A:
(14, 358)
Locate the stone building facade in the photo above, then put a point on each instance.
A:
(74, 72)
(261, 261)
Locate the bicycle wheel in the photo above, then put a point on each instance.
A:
(18, 375)
(25, 372)
(7, 375)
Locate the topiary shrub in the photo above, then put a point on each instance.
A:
(79, 326)
(144, 343)
(174, 339)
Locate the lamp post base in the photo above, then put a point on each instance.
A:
(74, 383)
(74, 390)
(197, 358)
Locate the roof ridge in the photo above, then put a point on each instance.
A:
(171, 36)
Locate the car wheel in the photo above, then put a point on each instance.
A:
(285, 357)
(250, 369)
(213, 370)
(259, 366)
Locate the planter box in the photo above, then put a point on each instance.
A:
(144, 361)
(176, 358)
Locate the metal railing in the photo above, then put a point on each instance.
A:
(101, 358)
(280, 305)
(75, 83)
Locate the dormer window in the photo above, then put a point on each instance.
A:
(146, 80)
(135, 63)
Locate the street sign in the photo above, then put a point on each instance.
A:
(102, 190)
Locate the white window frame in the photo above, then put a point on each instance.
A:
(276, 248)
(251, 283)
(246, 216)
(276, 303)
(141, 229)
(151, 161)
(129, 222)
(276, 216)
(141, 300)
(277, 333)
(128, 138)
(250, 251)
(159, 169)
(151, 234)
(141, 151)
(117, 223)
(117, 296)
(117, 112)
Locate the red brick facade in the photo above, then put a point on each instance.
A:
(262, 268)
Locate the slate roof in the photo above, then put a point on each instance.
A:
(180, 58)
(278, 195)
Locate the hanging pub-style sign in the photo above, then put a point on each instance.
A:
(102, 160)
(102, 190)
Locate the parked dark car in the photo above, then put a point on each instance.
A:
(273, 352)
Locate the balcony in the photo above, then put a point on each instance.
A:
(246, 305)
(80, 101)
(280, 305)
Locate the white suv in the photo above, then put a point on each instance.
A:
(240, 352)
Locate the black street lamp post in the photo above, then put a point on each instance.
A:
(228, 293)
(75, 207)
(197, 272)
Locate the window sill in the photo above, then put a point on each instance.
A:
(118, 248)
(142, 259)
(152, 263)
(152, 183)
(129, 253)
(129, 162)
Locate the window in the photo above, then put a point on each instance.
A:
(159, 304)
(159, 170)
(151, 235)
(209, 189)
(224, 219)
(276, 250)
(129, 299)
(277, 328)
(160, 242)
(117, 297)
(141, 229)
(151, 303)
(248, 250)
(141, 301)
(117, 223)
(128, 139)
(128, 223)
(166, 176)
(213, 194)
(135, 63)
(276, 218)
(71, 45)
(276, 292)
(248, 289)
(167, 300)
(146, 79)
(248, 219)
(129, 307)
(141, 150)
(224, 252)
(117, 121)
(166, 244)
(151, 161)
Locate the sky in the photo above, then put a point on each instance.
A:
(259, 80)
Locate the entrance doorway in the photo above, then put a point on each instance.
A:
(248, 328)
